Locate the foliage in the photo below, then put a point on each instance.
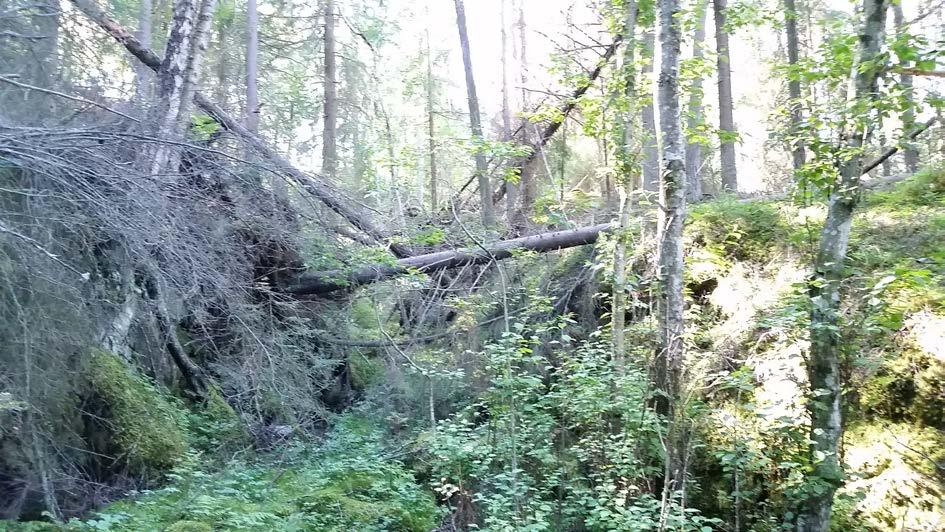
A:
(348, 483)
(555, 447)
(736, 230)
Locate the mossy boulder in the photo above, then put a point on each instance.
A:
(365, 371)
(133, 419)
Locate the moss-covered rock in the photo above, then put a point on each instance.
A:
(144, 426)
(365, 371)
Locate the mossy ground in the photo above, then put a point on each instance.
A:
(894, 353)
(348, 484)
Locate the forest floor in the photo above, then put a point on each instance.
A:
(747, 269)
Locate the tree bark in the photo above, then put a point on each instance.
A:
(798, 153)
(696, 115)
(627, 162)
(326, 282)
(824, 405)
(670, 300)
(511, 200)
(651, 156)
(330, 197)
(431, 138)
(252, 66)
(329, 143)
(177, 77)
(910, 154)
(726, 107)
(475, 123)
(144, 77)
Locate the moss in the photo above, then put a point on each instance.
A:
(907, 388)
(190, 526)
(146, 429)
(894, 483)
(926, 187)
(736, 230)
(216, 425)
(365, 371)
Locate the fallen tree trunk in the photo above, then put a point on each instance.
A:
(321, 190)
(324, 282)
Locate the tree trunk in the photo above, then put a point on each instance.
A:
(326, 282)
(670, 300)
(528, 189)
(824, 365)
(316, 187)
(798, 153)
(651, 157)
(475, 124)
(329, 146)
(252, 66)
(177, 78)
(696, 113)
(144, 77)
(511, 199)
(727, 131)
(627, 157)
(431, 139)
(910, 154)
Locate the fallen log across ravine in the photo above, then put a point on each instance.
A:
(314, 283)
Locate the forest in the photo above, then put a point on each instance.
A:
(454, 265)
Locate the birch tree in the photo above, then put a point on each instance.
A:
(670, 302)
(824, 405)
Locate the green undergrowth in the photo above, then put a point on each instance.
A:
(350, 481)
(893, 330)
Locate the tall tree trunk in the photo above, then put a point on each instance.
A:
(696, 113)
(670, 302)
(528, 187)
(177, 77)
(431, 139)
(727, 129)
(511, 188)
(798, 153)
(47, 48)
(475, 123)
(824, 365)
(651, 156)
(329, 144)
(910, 154)
(627, 161)
(252, 66)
